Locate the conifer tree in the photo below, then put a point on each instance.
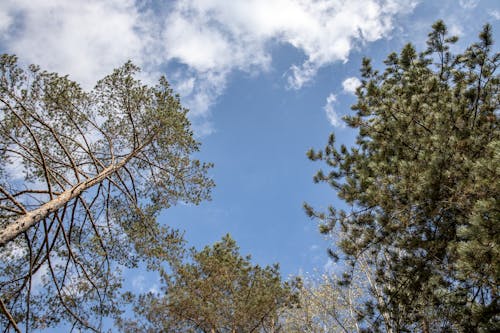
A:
(83, 176)
(214, 290)
(423, 183)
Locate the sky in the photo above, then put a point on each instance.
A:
(265, 80)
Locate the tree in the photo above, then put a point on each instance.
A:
(422, 181)
(214, 290)
(323, 307)
(83, 176)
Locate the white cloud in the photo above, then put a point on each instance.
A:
(142, 283)
(139, 283)
(331, 114)
(301, 74)
(495, 14)
(5, 22)
(220, 36)
(210, 39)
(350, 84)
(455, 29)
(85, 39)
(14, 167)
(468, 4)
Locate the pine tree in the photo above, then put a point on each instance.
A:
(423, 184)
(83, 176)
(214, 290)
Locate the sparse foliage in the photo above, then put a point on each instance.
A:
(82, 178)
(323, 307)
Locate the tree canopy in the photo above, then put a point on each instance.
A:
(83, 176)
(422, 182)
(323, 307)
(214, 290)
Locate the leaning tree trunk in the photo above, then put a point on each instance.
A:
(31, 218)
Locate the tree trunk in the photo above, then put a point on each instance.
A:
(26, 221)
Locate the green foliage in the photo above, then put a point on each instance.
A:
(128, 146)
(214, 290)
(423, 182)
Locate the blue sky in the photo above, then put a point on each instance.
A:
(265, 81)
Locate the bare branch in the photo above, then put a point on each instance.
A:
(9, 316)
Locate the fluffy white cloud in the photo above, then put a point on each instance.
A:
(85, 39)
(220, 36)
(208, 38)
(215, 37)
(331, 114)
(350, 84)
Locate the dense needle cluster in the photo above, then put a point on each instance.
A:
(423, 184)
